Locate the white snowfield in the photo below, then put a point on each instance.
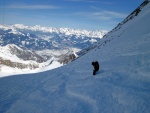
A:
(121, 86)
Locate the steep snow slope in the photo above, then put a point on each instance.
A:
(121, 86)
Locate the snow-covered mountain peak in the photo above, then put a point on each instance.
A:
(12, 46)
(66, 31)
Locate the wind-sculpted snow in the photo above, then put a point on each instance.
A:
(121, 86)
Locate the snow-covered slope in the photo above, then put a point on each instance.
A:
(19, 61)
(121, 86)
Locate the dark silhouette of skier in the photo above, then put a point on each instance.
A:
(96, 67)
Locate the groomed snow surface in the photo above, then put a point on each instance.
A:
(121, 86)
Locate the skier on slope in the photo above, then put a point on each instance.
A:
(96, 67)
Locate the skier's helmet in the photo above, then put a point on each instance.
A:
(92, 63)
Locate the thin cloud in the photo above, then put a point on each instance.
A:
(102, 15)
(109, 14)
(91, 1)
(33, 7)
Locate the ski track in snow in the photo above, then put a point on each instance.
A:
(86, 100)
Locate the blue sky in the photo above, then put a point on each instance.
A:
(76, 14)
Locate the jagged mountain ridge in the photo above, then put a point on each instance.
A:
(39, 38)
(66, 31)
(132, 15)
(15, 57)
(25, 54)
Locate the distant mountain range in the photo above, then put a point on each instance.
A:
(39, 38)
(35, 47)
